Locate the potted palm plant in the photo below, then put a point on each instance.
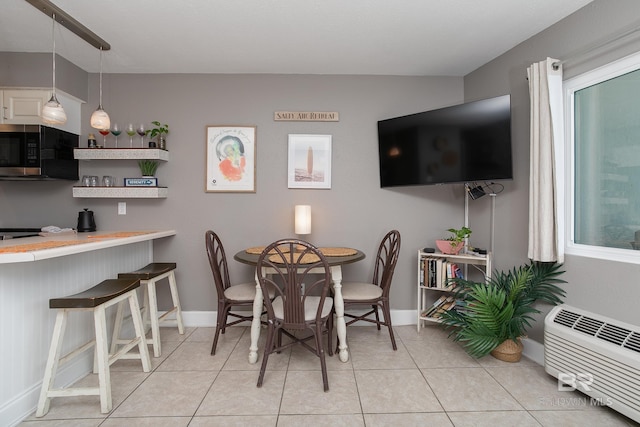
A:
(454, 243)
(498, 312)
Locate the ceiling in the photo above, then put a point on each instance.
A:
(377, 37)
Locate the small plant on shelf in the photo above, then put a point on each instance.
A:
(454, 243)
(160, 131)
(148, 167)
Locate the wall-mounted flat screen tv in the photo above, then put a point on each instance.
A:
(463, 143)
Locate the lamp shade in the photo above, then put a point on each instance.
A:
(100, 120)
(303, 219)
(53, 113)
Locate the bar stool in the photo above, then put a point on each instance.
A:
(96, 299)
(149, 276)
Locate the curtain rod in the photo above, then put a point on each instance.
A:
(67, 21)
(626, 31)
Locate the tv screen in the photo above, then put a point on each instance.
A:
(463, 143)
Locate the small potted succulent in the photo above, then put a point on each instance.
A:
(453, 244)
(159, 131)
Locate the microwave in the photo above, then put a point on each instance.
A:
(37, 152)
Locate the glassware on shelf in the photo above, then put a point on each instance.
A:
(130, 131)
(104, 133)
(142, 132)
(116, 131)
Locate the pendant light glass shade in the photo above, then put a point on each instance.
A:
(100, 119)
(52, 111)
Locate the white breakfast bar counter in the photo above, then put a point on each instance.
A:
(36, 269)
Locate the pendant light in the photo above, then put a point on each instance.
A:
(100, 119)
(52, 111)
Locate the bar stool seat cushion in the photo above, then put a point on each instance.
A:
(150, 271)
(97, 295)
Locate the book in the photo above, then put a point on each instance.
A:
(439, 304)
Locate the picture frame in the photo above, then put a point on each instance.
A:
(309, 161)
(230, 159)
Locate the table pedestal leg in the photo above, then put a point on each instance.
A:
(255, 323)
(336, 278)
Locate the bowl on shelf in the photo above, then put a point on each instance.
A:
(448, 247)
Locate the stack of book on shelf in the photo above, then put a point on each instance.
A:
(442, 304)
(438, 273)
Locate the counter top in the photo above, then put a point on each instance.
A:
(38, 248)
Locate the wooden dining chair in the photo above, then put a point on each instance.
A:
(229, 296)
(302, 278)
(375, 294)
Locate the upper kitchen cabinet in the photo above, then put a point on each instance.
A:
(24, 107)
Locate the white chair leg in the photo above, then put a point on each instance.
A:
(153, 313)
(117, 328)
(52, 363)
(139, 328)
(176, 301)
(102, 355)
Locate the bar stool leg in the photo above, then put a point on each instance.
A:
(139, 328)
(102, 355)
(176, 301)
(117, 328)
(52, 363)
(153, 314)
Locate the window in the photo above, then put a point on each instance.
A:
(602, 109)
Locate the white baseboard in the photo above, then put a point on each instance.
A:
(533, 350)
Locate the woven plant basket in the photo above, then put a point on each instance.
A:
(508, 351)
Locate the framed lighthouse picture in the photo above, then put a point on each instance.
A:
(309, 163)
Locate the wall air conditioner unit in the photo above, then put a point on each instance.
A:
(598, 355)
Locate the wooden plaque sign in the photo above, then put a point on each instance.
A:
(306, 116)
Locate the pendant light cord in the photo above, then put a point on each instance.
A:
(53, 36)
(100, 106)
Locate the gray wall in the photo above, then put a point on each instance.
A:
(34, 70)
(354, 212)
(607, 288)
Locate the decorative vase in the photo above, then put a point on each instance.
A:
(162, 142)
(508, 351)
(448, 247)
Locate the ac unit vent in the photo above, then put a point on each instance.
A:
(633, 343)
(614, 334)
(566, 318)
(588, 325)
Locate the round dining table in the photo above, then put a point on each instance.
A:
(335, 265)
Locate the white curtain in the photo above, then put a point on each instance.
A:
(546, 227)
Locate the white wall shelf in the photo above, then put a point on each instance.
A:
(120, 154)
(483, 263)
(121, 192)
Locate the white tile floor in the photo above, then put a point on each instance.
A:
(429, 381)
